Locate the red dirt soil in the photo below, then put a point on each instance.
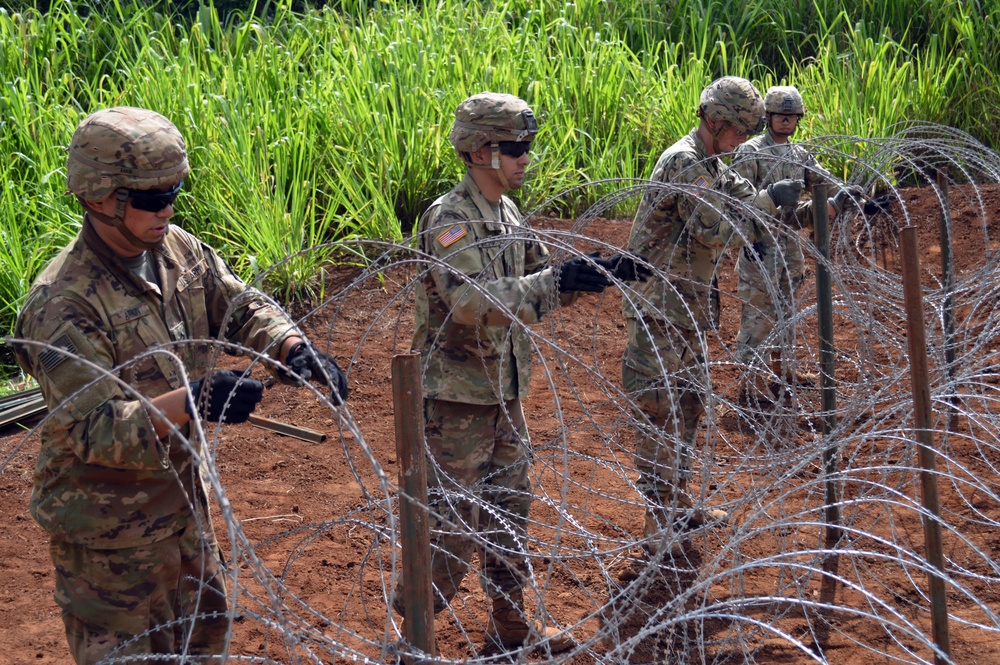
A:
(283, 490)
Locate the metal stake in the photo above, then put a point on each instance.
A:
(920, 381)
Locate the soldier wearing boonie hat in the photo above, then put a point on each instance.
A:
(138, 571)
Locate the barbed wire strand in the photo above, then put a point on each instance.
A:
(743, 593)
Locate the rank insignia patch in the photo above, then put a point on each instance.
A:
(452, 235)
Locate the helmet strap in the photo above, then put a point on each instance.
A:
(118, 221)
(773, 132)
(722, 124)
(495, 163)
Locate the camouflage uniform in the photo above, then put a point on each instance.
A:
(682, 229)
(488, 279)
(683, 235)
(771, 269)
(476, 369)
(125, 510)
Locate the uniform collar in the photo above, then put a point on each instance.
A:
(769, 140)
(133, 285)
(712, 162)
(485, 209)
(700, 147)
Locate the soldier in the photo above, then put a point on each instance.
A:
(682, 227)
(138, 569)
(772, 268)
(489, 279)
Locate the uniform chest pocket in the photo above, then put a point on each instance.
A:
(190, 300)
(138, 333)
(503, 251)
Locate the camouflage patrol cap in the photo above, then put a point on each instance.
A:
(491, 117)
(735, 101)
(124, 147)
(784, 99)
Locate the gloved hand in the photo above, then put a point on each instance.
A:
(848, 198)
(785, 192)
(582, 274)
(228, 397)
(305, 360)
(629, 269)
(755, 251)
(877, 205)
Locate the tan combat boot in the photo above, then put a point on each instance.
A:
(658, 542)
(791, 376)
(509, 626)
(691, 517)
(756, 391)
(656, 537)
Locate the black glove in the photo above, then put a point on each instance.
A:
(305, 360)
(785, 192)
(877, 205)
(629, 269)
(582, 274)
(848, 198)
(755, 251)
(228, 397)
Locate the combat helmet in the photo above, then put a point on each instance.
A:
(735, 101)
(489, 118)
(124, 148)
(784, 99)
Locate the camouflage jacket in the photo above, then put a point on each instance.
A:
(486, 280)
(762, 161)
(683, 227)
(103, 478)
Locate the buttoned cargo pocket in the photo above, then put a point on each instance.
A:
(141, 348)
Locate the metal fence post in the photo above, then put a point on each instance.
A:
(919, 378)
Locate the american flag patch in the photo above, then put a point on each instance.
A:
(50, 358)
(452, 235)
(702, 181)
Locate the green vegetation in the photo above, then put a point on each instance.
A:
(309, 128)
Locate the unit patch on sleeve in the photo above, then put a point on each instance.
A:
(452, 235)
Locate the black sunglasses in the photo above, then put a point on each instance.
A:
(514, 148)
(154, 200)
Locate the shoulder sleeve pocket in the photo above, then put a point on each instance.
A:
(81, 385)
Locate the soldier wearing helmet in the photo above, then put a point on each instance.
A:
(694, 208)
(488, 279)
(772, 268)
(493, 120)
(116, 485)
(731, 110)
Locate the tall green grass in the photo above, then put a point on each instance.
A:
(305, 129)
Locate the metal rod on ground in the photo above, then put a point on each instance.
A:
(303, 433)
(919, 378)
(414, 525)
(948, 277)
(824, 305)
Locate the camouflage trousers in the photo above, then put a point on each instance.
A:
(165, 598)
(765, 300)
(663, 374)
(477, 482)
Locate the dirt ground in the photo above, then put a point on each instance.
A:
(314, 514)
